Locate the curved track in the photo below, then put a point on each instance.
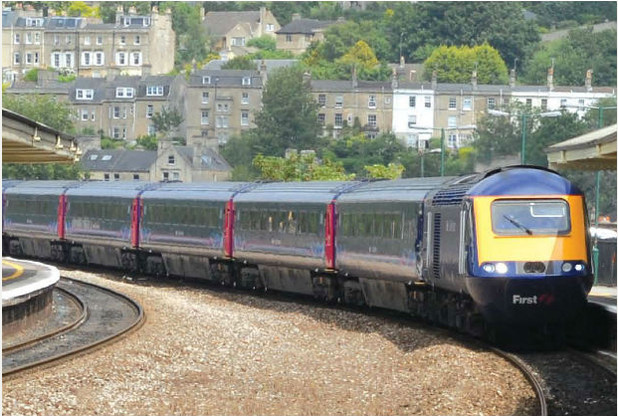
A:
(108, 315)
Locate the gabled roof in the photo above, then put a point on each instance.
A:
(118, 160)
(219, 23)
(209, 159)
(304, 26)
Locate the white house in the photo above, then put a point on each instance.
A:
(413, 113)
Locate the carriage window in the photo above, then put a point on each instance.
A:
(530, 217)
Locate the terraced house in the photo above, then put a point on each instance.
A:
(133, 45)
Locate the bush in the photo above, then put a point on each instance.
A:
(32, 75)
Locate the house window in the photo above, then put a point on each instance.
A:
(411, 140)
(37, 38)
(238, 41)
(99, 40)
(121, 58)
(205, 97)
(322, 118)
(288, 38)
(116, 132)
(86, 40)
(452, 103)
(68, 39)
(84, 115)
(154, 91)
(56, 59)
(106, 176)
(491, 103)
(116, 176)
(467, 103)
(246, 80)
(36, 58)
(176, 176)
(68, 58)
(171, 160)
(244, 118)
(29, 38)
(411, 120)
(136, 58)
(338, 120)
(322, 100)
(123, 40)
(581, 104)
(98, 58)
(92, 115)
(116, 112)
(339, 101)
(270, 27)
(124, 92)
(245, 98)
(29, 58)
(136, 176)
(152, 130)
(563, 102)
(138, 40)
(223, 107)
(372, 120)
(371, 103)
(222, 121)
(452, 140)
(528, 102)
(17, 38)
(204, 119)
(166, 176)
(86, 58)
(544, 104)
(452, 121)
(412, 101)
(16, 59)
(206, 79)
(81, 94)
(149, 111)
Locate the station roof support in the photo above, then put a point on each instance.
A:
(592, 151)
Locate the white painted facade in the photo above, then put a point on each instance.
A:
(575, 101)
(413, 115)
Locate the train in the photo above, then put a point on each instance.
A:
(508, 246)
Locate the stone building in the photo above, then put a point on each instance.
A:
(344, 103)
(297, 35)
(231, 31)
(118, 164)
(133, 45)
(220, 104)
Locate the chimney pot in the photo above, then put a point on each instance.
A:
(295, 16)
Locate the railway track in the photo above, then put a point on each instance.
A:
(106, 316)
(568, 382)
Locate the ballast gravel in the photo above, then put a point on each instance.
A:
(208, 352)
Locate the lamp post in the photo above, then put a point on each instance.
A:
(442, 144)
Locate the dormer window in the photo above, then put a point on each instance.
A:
(206, 79)
(246, 80)
(84, 94)
(154, 91)
(123, 92)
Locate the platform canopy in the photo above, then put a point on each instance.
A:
(591, 151)
(26, 141)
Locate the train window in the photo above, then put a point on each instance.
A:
(530, 217)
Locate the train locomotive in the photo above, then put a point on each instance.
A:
(504, 247)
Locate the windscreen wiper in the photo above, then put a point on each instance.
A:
(518, 224)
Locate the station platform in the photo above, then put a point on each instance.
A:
(604, 296)
(27, 288)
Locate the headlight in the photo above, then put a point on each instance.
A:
(567, 267)
(579, 267)
(489, 268)
(502, 268)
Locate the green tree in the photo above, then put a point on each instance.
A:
(192, 42)
(148, 142)
(240, 62)
(556, 13)
(80, 8)
(456, 64)
(32, 75)
(43, 109)
(288, 118)
(41, 171)
(581, 50)
(500, 24)
(166, 120)
(391, 171)
(297, 168)
(264, 42)
(595, 119)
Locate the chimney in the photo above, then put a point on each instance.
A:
(155, 10)
(474, 79)
(588, 81)
(394, 79)
(354, 77)
(434, 79)
(307, 78)
(550, 77)
(295, 16)
(202, 14)
(512, 78)
(263, 73)
(262, 14)
(132, 10)
(402, 61)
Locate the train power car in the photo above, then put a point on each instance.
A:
(508, 246)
